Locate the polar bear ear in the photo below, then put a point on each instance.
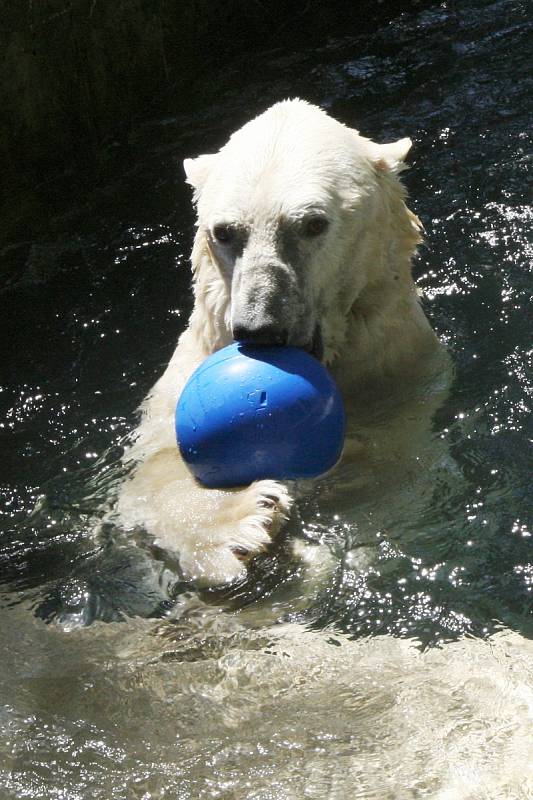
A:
(197, 170)
(391, 157)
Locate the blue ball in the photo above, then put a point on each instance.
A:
(252, 412)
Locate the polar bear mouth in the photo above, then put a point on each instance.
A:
(268, 336)
(316, 345)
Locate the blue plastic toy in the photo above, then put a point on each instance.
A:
(251, 412)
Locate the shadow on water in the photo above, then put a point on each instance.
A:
(98, 292)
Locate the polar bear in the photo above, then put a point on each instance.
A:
(303, 238)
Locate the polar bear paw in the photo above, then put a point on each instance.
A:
(262, 509)
(244, 527)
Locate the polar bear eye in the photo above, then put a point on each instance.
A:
(225, 234)
(314, 226)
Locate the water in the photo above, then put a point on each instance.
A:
(347, 675)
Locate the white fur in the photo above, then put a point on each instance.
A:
(354, 282)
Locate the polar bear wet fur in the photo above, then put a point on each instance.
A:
(303, 237)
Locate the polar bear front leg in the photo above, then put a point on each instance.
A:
(214, 532)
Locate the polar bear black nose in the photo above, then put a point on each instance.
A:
(260, 334)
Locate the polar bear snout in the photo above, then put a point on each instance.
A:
(267, 305)
(272, 320)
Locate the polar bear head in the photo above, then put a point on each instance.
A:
(299, 218)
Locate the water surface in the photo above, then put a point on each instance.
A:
(307, 681)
